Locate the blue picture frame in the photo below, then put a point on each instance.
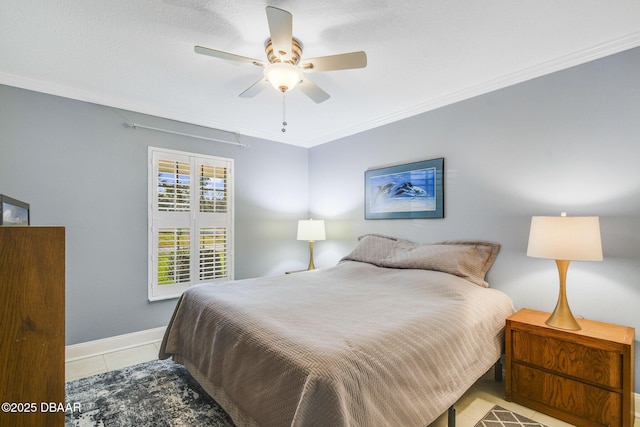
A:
(408, 191)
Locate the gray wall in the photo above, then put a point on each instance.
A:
(569, 141)
(80, 167)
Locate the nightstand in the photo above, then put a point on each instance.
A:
(583, 377)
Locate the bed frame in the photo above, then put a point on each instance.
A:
(497, 375)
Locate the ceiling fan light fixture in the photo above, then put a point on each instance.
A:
(283, 76)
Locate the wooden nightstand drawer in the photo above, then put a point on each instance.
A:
(576, 360)
(584, 377)
(567, 396)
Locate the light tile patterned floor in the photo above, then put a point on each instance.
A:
(470, 408)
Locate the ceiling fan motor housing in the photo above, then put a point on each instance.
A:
(275, 57)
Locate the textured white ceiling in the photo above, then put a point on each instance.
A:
(422, 54)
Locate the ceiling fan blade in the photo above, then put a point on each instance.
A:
(255, 88)
(344, 61)
(312, 90)
(227, 56)
(281, 30)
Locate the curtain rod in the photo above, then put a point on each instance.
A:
(237, 142)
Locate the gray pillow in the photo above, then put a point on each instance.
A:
(467, 259)
(371, 248)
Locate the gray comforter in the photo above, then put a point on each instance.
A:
(351, 345)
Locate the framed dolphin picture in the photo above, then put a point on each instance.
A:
(412, 190)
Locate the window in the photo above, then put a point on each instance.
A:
(190, 221)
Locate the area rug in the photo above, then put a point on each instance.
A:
(158, 393)
(500, 417)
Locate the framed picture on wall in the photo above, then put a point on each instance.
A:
(14, 212)
(412, 190)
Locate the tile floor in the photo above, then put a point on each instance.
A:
(470, 408)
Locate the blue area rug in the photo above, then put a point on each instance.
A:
(158, 393)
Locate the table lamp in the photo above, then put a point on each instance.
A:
(311, 230)
(565, 239)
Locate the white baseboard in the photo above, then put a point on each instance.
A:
(111, 344)
(637, 399)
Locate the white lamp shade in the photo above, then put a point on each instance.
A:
(283, 76)
(311, 230)
(570, 238)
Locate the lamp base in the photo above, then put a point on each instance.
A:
(562, 317)
(311, 264)
(563, 320)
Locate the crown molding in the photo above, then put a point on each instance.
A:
(621, 44)
(558, 64)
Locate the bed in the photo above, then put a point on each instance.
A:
(392, 335)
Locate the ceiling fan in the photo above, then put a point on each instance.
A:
(284, 68)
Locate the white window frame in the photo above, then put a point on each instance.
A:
(193, 220)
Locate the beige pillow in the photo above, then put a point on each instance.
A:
(467, 259)
(371, 248)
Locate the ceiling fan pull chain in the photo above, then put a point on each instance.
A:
(284, 118)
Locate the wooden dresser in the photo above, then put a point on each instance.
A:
(583, 377)
(32, 291)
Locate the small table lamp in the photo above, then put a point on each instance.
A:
(565, 239)
(311, 231)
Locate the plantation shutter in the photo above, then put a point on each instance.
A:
(190, 221)
(214, 219)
